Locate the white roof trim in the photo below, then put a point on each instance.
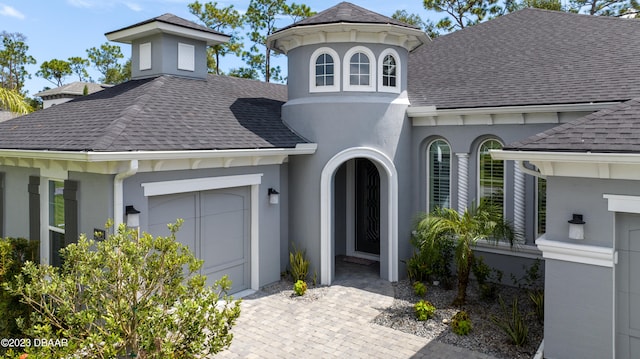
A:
(90, 156)
(624, 166)
(389, 34)
(155, 27)
(503, 115)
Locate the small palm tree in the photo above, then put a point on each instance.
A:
(13, 101)
(478, 222)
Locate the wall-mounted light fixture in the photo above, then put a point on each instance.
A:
(274, 196)
(576, 227)
(133, 216)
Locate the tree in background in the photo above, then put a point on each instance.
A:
(79, 67)
(55, 71)
(604, 7)
(261, 18)
(106, 60)
(414, 19)
(225, 20)
(462, 13)
(13, 59)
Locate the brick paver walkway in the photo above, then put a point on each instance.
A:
(337, 325)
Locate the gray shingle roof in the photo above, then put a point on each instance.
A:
(173, 20)
(529, 57)
(348, 13)
(161, 113)
(616, 129)
(73, 89)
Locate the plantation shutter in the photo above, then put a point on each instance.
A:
(439, 175)
(34, 208)
(491, 174)
(70, 195)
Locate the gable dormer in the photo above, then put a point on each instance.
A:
(168, 45)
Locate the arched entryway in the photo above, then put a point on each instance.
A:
(379, 218)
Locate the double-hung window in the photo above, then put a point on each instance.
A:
(439, 175)
(490, 174)
(360, 66)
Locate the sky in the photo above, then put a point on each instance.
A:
(59, 29)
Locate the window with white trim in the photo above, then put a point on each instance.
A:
(324, 70)
(360, 65)
(439, 175)
(56, 220)
(389, 71)
(490, 174)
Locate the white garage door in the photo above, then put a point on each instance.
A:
(216, 228)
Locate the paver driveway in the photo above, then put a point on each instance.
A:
(337, 325)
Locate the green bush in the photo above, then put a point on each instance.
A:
(424, 310)
(14, 252)
(299, 287)
(430, 262)
(127, 296)
(461, 323)
(537, 298)
(419, 289)
(299, 264)
(514, 323)
(488, 278)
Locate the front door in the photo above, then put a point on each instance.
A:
(628, 285)
(367, 191)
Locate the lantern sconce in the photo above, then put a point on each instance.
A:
(133, 216)
(274, 196)
(576, 227)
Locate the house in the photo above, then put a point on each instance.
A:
(592, 168)
(68, 92)
(377, 123)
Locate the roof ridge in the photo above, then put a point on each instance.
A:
(114, 129)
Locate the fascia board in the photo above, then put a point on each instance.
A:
(575, 157)
(300, 149)
(128, 35)
(431, 110)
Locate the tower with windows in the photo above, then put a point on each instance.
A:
(347, 84)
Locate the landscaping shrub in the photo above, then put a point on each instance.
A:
(424, 310)
(514, 324)
(430, 262)
(127, 296)
(299, 287)
(537, 298)
(419, 289)
(14, 252)
(299, 265)
(488, 278)
(461, 323)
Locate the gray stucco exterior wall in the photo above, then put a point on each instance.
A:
(95, 201)
(164, 57)
(578, 324)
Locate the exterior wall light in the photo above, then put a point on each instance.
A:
(576, 227)
(133, 216)
(274, 196)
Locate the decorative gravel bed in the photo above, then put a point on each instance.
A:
(486, 337)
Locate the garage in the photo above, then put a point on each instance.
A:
(628, 285)
(216, 227)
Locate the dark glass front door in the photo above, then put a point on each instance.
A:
(367, 207)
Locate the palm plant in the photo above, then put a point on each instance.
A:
(478, 222)
(13, 101)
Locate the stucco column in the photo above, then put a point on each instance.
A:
(518, 199)
(463, 181)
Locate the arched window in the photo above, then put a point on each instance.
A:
(490, 174)
(324, 71)
(360, 65)
(438, 175)
(389, 71)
